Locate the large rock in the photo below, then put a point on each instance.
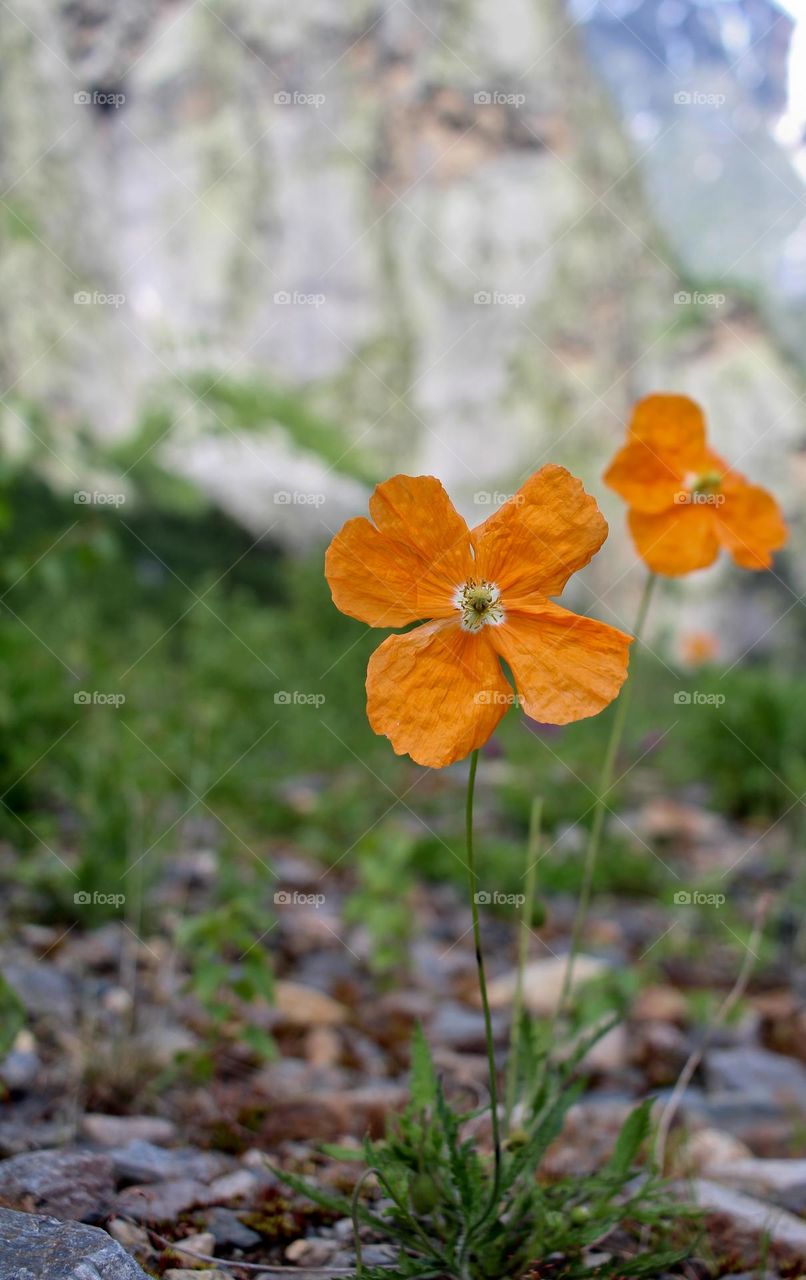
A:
(38, 1248)
(116, 1131)
(66, 1184)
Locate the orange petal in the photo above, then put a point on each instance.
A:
(666, 440)
(643, 478)
(565, 667)
(437, 692)
(674, 426)
(750, 525)
(409, 567)
(550, 528)
(416, 511)
(676, 541)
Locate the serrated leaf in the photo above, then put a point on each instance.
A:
(335, 1203)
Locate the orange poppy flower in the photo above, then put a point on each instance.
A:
(685, 502)
(699, 647)
(438, 692)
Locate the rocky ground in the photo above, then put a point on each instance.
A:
(137, 1135)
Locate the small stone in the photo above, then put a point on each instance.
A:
(163, 1045)
(117, 1000)
(660, 1004)
(117, 1131)
(181, 1273)
(33, 1247)
(228, 1231)
(378, 1255)
(140, 1161)
(302, 1006)
(43, 989)
(311, 1253)
(458, 1027)
(746, 1213)
(543, 981)
(202, 1243)
(758, 1071)
(756, 1176)
(609, 1054)
(668, 819)
(238, 1185)
(64, 1184)
(322, 1047)
(20, 1067)
(162, 1201)
(134, 1239)
(710, 1149)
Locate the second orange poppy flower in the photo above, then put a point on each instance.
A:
(685, 501)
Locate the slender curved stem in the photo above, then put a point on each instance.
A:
(527, 912)
(488, 1025)
(410, 1219)
(600, 807)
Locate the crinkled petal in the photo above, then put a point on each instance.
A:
(436, 692)
(565, 667)
(548, 530)
(665, 442)
(416, 511)
(676, 541)
(408, 567)
(750, 525)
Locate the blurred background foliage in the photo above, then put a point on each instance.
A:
(209, 204)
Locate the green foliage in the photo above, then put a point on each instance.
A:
(12, 1016)
(382, 903)
(230, 971)
(601, 998)
(751, 749)
(449, 1215)
(194, 633)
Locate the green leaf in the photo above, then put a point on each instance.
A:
(633, 1133)
(260, 1040)
(12, 1016)
(337, 1152)
(335, 1203)
(424, 1085)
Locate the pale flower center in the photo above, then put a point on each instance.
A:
(479, 603)
(703, 484)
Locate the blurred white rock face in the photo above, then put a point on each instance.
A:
(422, 220)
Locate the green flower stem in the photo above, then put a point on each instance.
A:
(488, 1026)
(527, 912)
(597, 826)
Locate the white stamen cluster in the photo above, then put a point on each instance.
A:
(479, 603)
